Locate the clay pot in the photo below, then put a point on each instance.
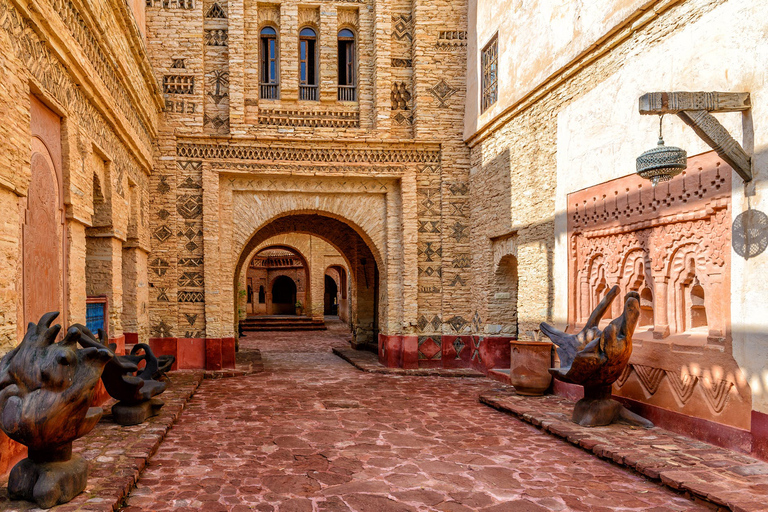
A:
(529, 368)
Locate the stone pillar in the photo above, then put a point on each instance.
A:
(660, 313)
(76, 276)
(104, 277)
(316, 287)
(289, 52)
(135, 295)
(328, 53)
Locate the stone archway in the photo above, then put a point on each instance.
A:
(283, 290)
(365, 306)
(44, 250)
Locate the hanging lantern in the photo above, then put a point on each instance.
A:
(661, 163)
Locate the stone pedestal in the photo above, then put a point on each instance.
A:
(48, 478)
(597, 409)
(134, 414)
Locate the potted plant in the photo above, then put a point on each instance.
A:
(299, 307)
(530, 364)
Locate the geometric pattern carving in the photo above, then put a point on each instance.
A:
(716, 393)
(194, 279)
(477, 322)
(458, 323)
(216, 37)
(402, 27)
(451, 39)
(682, 385)
(215, 12)
(189, 206)
(178, 84)
(159, 266)
(163, 233)
(649, 377)
(402, 63)
(428, 251)
(429, 348)
(442, 91)
(161, 330)
(458, 346)
(400, 96)
(624, 375)
(342, 119)
(187, 296)
(224, 151)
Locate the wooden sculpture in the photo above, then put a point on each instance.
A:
(46, 389)
(124, 381)
(595, 359)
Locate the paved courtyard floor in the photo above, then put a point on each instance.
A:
(313, 433)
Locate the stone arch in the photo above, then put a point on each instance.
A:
(303, 291)
(687, 269)
(363, 213)
(502, 304)
(358, 255)
(43, 247)
(283, 290)
(635, 275)
(341, 277)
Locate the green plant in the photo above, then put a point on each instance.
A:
(298, 304)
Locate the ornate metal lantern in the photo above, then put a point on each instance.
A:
(661, 163)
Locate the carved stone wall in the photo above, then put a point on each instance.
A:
(671, 244)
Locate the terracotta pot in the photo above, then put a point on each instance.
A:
(529, 368)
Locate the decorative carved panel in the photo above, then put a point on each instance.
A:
(670, 243)
(43, 234)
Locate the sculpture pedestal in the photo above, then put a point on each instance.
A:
(597, 409)
(49, 478)
(133, 414)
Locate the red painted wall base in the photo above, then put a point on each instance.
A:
(482, 353)
(197, 353)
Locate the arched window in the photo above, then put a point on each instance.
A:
(347, 79)
(308, 65)
(270, 81)
(262, 295)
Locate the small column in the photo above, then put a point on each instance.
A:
(660, 314)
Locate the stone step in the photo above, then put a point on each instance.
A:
(296, 327)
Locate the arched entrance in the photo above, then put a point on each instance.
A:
(264, 267)
(43, 228)
(283, 296)
(330, 297)
(357, 254)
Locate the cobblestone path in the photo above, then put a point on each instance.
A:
(313, 433)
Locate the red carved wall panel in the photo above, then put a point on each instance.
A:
(43, 248)
(671, 244)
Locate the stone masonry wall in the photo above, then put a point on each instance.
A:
(108, 110)
(514, 165)
(410, 87)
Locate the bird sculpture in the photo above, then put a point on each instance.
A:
(124, 381)
(594, 359)
(46, 390)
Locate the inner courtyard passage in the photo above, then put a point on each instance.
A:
(311, 432)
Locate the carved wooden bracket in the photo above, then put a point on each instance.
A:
(695, 108)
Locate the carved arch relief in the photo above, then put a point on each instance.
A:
(43, 237)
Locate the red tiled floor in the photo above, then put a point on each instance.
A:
(314, 433)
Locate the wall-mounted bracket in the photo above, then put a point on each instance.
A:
(695, 109)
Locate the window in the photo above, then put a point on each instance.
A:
(490, 61)
(347, 65)
(308, 64)
(270, 84)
